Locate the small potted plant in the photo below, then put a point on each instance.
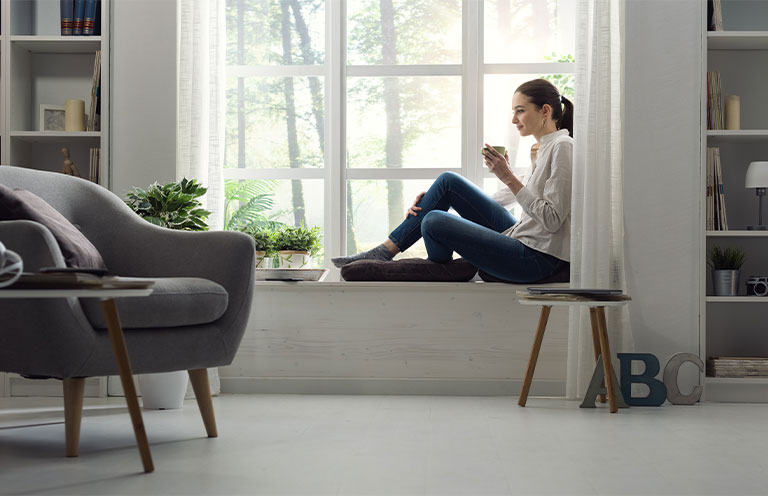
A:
(264, 241)
(296, 245)
(725, 264)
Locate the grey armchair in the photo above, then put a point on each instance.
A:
(195, 318)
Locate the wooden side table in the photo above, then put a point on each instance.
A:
(599, 340)
(74, 412)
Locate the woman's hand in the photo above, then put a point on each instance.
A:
(413, 209)
(498, 164)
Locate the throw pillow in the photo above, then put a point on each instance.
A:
(409, 269)
(19, 204)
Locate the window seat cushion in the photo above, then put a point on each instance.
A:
(409, 269)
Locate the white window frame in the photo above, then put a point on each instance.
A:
(335, 72)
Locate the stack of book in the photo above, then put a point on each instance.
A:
(80, 17)
(737, 367)
(717, 220)
(95, 110)
(715, 118)
(94, 172)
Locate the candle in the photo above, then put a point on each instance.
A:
(732, 112)
(74, 115)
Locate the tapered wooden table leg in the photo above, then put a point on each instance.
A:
(126, 377)
(596, 341)
(605, 350)
(544, 316)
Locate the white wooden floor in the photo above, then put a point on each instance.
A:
(398, 445)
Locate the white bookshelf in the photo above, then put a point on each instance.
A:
(734, 325)
(38, 67)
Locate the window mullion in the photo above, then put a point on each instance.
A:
(472, 90)
(335, 146)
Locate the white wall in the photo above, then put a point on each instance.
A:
(143, 134)
(662, 160)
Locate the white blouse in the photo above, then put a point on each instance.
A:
(545, 224)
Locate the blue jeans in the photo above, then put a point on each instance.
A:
(476, 235)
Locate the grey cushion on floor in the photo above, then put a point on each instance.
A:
(409, 269)
(175, 302)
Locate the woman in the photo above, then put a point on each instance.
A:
(487, 234)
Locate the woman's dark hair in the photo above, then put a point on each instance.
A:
(540, 92)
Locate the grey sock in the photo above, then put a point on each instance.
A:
(381, 252)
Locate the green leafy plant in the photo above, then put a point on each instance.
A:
(725, 258)
(174, 205)
(263, 238)
(298, 238)
(564, 82)
(246, 203)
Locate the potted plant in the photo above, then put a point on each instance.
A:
(264, 242)
(174, 205)
(295, 245)
(725, 264)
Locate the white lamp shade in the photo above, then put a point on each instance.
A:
(757, 175)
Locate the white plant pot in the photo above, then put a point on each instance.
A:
(294, 259)
(262, 260)
(163, 391)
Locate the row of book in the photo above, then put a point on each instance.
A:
(737, 367)
(715, 119)
(94, 111)
(715, 191)
(80, 17)
(715, 15)
(94, 170)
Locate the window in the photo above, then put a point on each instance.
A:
(349, 108)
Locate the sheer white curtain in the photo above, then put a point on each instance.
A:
(201, 100)
(200, 109)
(597, 241)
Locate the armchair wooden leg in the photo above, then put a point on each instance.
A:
(605, 350)
(202, 388)
(74, 390)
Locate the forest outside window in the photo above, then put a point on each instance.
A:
(340, 111)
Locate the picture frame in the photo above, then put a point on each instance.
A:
(51, 117)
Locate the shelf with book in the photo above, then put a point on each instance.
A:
(737, 40)
(44, 70)
(58, 44)
(740, 136)
(735, 62)
(88, 137)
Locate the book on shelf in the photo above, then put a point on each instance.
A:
(66, 11)
(716, 219)
(94, 170)
(91, 18)
(77, 23)
(715, 118)
(737, 367)
(715, 15)
(94, 110)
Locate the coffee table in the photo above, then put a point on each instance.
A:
(107, 297)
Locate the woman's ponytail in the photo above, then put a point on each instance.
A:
(566, 120)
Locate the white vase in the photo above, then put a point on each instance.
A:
(164, 391)
(290, 259)
(262, 261)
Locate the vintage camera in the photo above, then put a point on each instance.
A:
(757, 286)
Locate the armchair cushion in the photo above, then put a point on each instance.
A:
(174, 302)
(19, 204)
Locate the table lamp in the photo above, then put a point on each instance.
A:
(757, 177)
